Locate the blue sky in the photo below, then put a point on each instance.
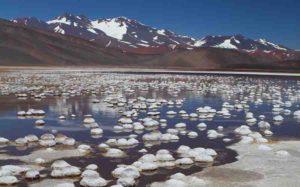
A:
(275, 20)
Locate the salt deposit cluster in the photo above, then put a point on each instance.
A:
(159, 121)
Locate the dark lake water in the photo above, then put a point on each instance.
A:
(195, 90)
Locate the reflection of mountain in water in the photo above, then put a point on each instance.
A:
(63, 128)
(80, 106)
(62, 107)
(102, 107)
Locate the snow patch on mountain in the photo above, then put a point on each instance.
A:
(92, 31)
(199, 43)
(267, 43)
(126, 42)
(144, 45)
(108, 44)
(58, 29)
(226, 44)
(62, 20)
(266, 51)
(235, 40)
(161, 32)
(111, 27)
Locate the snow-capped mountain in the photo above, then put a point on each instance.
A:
(133, 36)
(79, 26)
(119, 32)
(258, 48)
(136, 34)
(240, 42)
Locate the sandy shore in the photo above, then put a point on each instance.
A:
(257, 166)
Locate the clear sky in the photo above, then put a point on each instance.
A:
(275, 20)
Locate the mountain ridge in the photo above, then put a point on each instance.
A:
(133, 36)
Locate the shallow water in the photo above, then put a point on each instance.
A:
(194, 94)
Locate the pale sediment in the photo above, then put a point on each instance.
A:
(48, 156)
(53, 182)
(258, 167)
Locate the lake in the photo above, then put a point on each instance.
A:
(222, 102)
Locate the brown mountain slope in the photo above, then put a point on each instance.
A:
(202, 58)
(218, 59)
(24, 46)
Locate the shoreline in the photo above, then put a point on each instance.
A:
(147, 70)
(257, 166)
